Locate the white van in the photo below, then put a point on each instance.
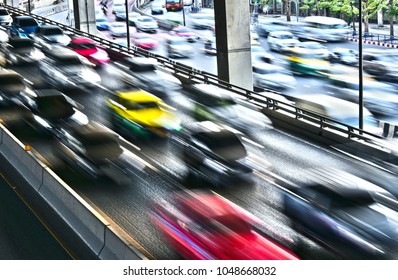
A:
(326, 28)
(340, 110)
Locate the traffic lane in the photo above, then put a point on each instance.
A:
(132, 201)
(169, 159)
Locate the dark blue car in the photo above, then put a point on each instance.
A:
(346, 214)
(23, 26)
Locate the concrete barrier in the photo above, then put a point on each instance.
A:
(74, 210)
(94, 230)
(15, 152)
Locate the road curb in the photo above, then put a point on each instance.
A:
(388, 45)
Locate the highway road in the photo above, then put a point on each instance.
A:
(289, 156)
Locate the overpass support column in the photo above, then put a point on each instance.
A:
(232, 22)
(84, 15)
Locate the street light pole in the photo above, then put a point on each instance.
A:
(127, 23)
(297, 10)
(360, 67)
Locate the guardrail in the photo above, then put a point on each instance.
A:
(379, 38)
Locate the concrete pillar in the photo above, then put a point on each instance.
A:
(232, 22)
(84, 15)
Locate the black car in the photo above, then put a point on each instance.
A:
(52, 110)
(12, 84)
(96, 151)
(20, 51)
(344, 213)
(216, 154)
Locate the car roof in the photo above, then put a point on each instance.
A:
(21, 42)
(82, 40)
(213, 90)
(341, 182)
(60, 52)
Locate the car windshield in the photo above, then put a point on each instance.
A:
(224, 144)
(285, 36)
(146, 19)
(27, 22)
(69, 61)
(20, 44)
(54, 107)
(3, 12)
(51, 31)
(85, 46)
(267, 70)
(227, 224)
(11, 80)
(177, 42)
(131, 105)
(100, 146)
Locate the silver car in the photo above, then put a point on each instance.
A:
(147, 24)
(5, 17)
(178, 47)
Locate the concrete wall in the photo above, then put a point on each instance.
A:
(103, 239)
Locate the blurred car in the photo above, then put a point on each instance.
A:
(65, 68)
(263, 28)
(174, 18)
(259, 54)
(139, 113)
(314, 48)
(120, 15)
(345, 214)
(281, 41)
(145, 73)
(202, 21)
(381, 63)
(185, 32)
(380, 98)
(51, 110)
(94, 150)
(177, 46)
(344, 56)
(88, 48)
(210, 46)
(23, 26)
(147, 24)
(5, 17)
(118, 29)
(11, 86)
(216, 153)
(272, 77)
(306, 63)
(46, 36)
(214, 103)
(3, 36)
(117, 6)
(158, 7)
(144, 41)
(133, 17)
(340, 110)
(102, 23)
(21, 50)
(205, 226)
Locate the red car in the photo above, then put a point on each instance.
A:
(206, 226)
(89, 49)
(144, 41)
(185, 32)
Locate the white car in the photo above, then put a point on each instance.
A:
(259, 54)
(315, 48)
(5, 17)
(147, 24)
(178, 47)
(272, 77)
(118, 29)
(281, 41)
